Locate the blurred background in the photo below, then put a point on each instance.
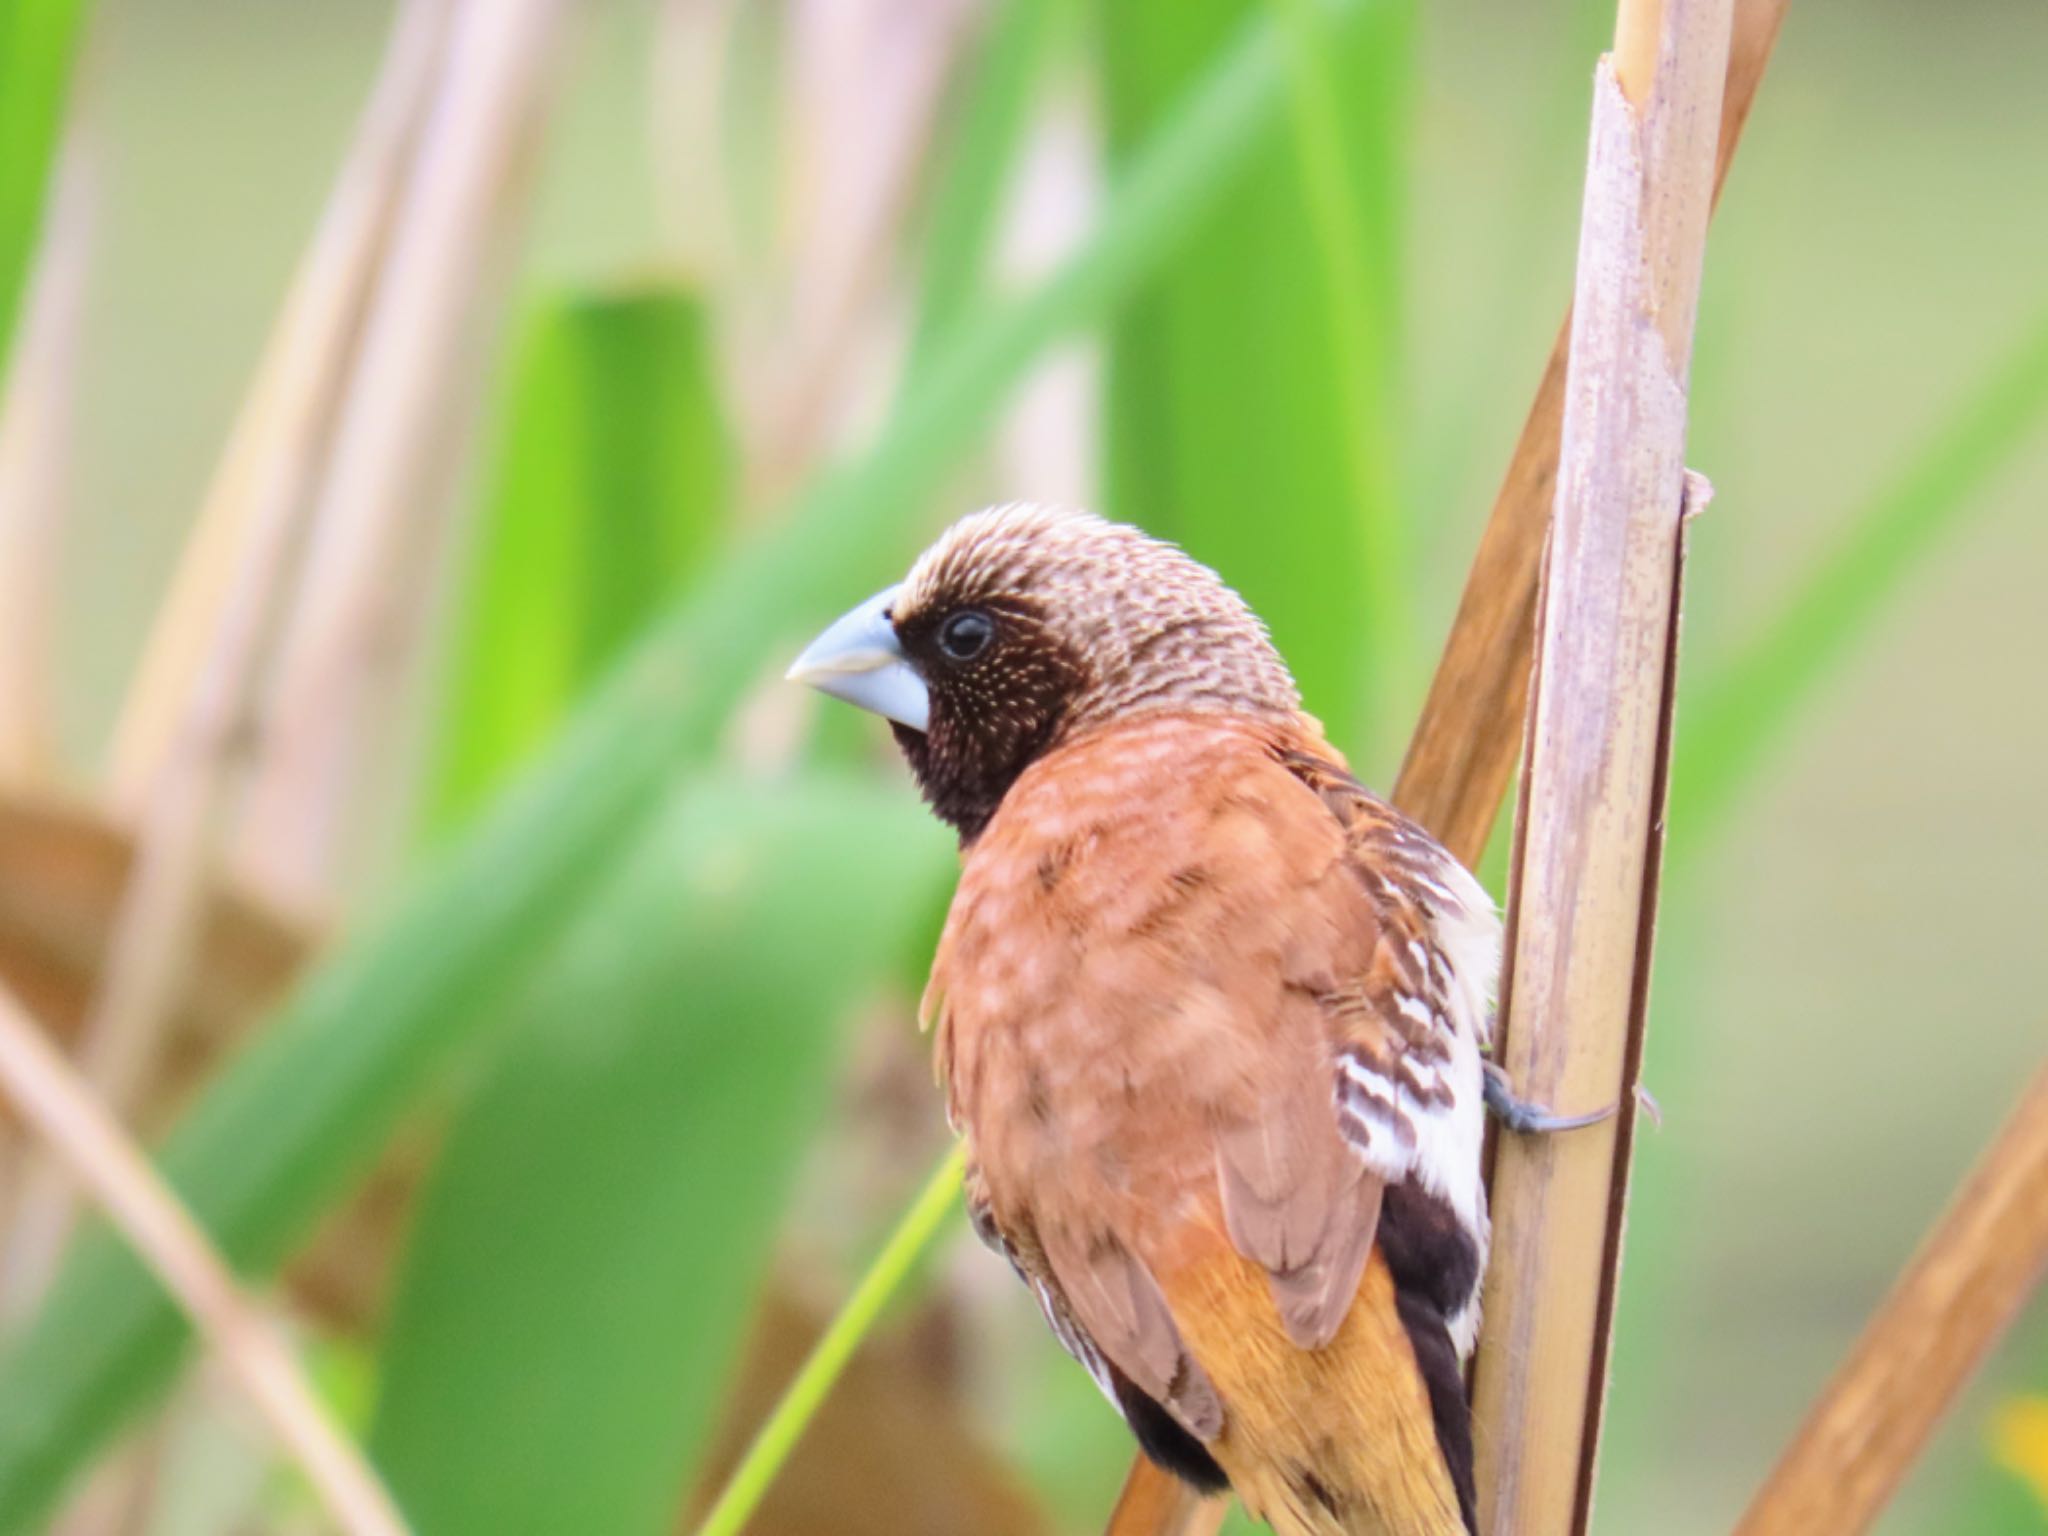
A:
(430, 433)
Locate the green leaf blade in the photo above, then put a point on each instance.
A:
(1250, 380)
(298, 1115)
(612, 488)
(601, 1215)
(38, 40)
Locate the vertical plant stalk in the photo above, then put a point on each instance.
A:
(249, 531)
(1346, 262)
(1463, 751)
(60, 1107)
(1582, 908)
(35, 448)
(1969, 1280)
(375, 533)
(1154, 1502)
(687, 69)
(286, 419)
(393, 1004)
(1465, 745)
(792, 1414)
(869, 79)
(38, 43)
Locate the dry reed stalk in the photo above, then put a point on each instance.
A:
(1969, 1279)
(35, 445)
(1588, 836)
(1463, 752)
(62, 1109)
(284, 424)
(63, 869)
(1156, 1503)
(1465, 745)
(687, 105)
(242, 560)
(377, 527)
(867, 82)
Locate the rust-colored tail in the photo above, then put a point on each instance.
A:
(1341, 1441)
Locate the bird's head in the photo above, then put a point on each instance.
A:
(1024, 625)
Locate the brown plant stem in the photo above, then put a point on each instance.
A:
(249, 532)
(377, 523)
(1581, 912)
(1153, 1502)
(1463, 752)
(1465, 745)
(1969, 1279)
(61, 1108)
(869, 83)
(35, 447)
(282, 429)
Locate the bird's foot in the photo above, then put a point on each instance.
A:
(1528, 1119)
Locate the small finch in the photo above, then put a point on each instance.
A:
(1209, 1016)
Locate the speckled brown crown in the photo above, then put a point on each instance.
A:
(1161, 630)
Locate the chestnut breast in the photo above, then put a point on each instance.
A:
(1129, 974)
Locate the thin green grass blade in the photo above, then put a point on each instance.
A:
(279, 1136)
(1746, 711)
(611, 489)
(1750, 711)
(38, 39)
(784, 1427)
(572, 1296)
(1249, 384)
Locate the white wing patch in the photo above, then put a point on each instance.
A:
(1421, 1114)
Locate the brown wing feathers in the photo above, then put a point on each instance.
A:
(1209, 1015)
(1161, 952)
(1299, 1203)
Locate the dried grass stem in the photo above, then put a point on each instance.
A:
(60, 1107)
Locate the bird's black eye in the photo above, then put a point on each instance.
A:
(966, 634)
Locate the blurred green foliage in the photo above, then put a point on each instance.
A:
(1757, 695)
(1249, 376)
(628, 969)
(600, 1217)
(278, 1136)
(37, 39)
(993, 111)
(612, 485)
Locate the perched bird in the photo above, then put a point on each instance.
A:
(1209, 1015)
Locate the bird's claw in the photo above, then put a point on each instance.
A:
(1528, 1119)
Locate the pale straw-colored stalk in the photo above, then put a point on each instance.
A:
(378, 527)
(1588, 836)
(1462, 754)
(1465, 746)
(274, 452)
(223, 611)
(35, 464)
(60, 1107)
(867, 80)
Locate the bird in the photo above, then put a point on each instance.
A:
(1210, 1016)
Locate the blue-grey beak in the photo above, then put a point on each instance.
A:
(858, 659)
